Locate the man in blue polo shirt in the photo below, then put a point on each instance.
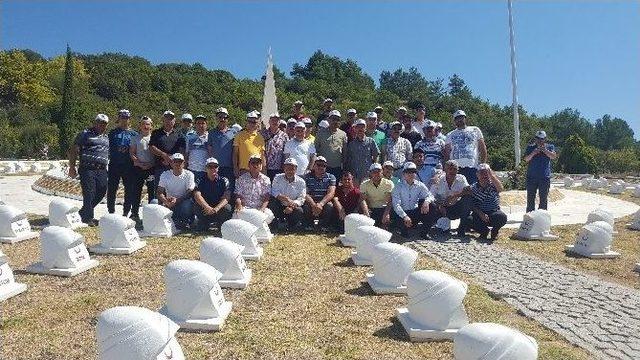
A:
(221, 145)
(321, 188)
(211, 197)
(120, 163)
(539, 155)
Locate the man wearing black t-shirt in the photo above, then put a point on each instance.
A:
(165, 142)
(212, 196)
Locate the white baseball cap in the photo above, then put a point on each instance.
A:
(379, 108)
(298, 102)
(274, 115)
(124, 113)
(375, 166)
(254, 157)
(438, 125)
(352, 111)
(540, 134)
(102, 118)
(169, 113)
(177, 156)
(320, 158)
(307, 120)
(388, 163)
(292, 121)
(291, 161)
(359, 122)
(282, 122)
(372, 115)
(484, 166)
(327, 100)
(429, 124)
(187, 116)
(394, 123)
(252, 115)
(222, 110)
(300, 124)
(212, 160)
(323, 124)
(402, 108)
(459, 113)
(334, 113)
(408, 166)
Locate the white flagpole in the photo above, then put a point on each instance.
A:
(514, 85)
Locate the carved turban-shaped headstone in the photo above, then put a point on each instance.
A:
(62, 253)
(366, 238)
(617, 187)
(65, 214)
(601, 214)
(14, 225)
(118, 235)
(226, 257)
(156, 221)
(636, 191)
(392, 264)
(242, 233)
(594, 241)
(8, 285)
(260, 220)
(479, 341)
(536, 225)
(635, 225)
(351, 223)
(568, 182)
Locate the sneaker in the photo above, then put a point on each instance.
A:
(92, 223)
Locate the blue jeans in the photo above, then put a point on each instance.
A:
(183, 213)
(94, 186)
(542, 187)
(115, 173)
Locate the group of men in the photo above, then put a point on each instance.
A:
(404, 174)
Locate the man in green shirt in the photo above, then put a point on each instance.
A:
(330, 143)
(371, 131)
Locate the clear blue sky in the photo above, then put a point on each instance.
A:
(584, 55)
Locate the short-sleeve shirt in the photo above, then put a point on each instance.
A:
(360, 155)
(464, 145)
(350, 199)
(295, 190)
(248, 143)
(433, 149)
(378, 137)
(377, 195)
(317, 188)
(197, 151)
(221, 143)
(168, 142)
(143, 153)
(275, 148)
(331, 145)
(412, 136)
(487, 199)
(441, 189)
(397, 151)
(540, 165)
(119, 142)
(213, 190)
(300, 150)
(349, 130)
(253, 190)
(94, 148)
(425, 173)
(177, 185)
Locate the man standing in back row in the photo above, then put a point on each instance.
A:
(165, 142)
(120, 163)
(465, 144)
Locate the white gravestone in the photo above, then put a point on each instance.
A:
(586, 182)
(157, 221)
(226, 257)
(243, 233)
(10, 169)
(194, 297)
(435, 310)
(21, 167)
(14, 225)
(493, 341)
(8, 285)
(118, 236)
(635, 225)
(367, 237)
(351, 223)
(568, 182)
(617, 187)
(601, 214)
(636, 191)
(536, 225)
(258, 219)
(392, 264)
(62, 253)
(594, 241)
(135, 333)
(64, 213)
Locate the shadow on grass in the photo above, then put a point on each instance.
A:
(394, 331)
(345, 263)
(363, 290)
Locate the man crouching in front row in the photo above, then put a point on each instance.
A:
(411, 201)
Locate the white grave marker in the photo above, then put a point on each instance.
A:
(260, 220)
(435, 310)
(635, 225)
(493, 341)
(65, 214)
(392, 264)
(194, 297)
(594, 241)
(135, 333)
(617, 187)
(157, 221)
(14, 225)
(8, 285)
(243, 233)
(62, 253)
(118, 236)
(351, 223)
(226, 257)
(568, 181)
(536, 225)
(636, 191)
(367, 237)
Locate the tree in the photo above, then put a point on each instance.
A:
(457, 86)
(578, 158)
(565, 123)
(613, 134)
(66, 108)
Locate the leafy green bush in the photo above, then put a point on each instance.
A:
(578, 158)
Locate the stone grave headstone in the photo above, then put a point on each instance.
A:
(14, 225)
(118, 236)
(194, 298)
(8, 285)
(243, 233)
(260, 220)
(617, 187)
(392, 264)
(536, 225)
(135, 333)
(493, 341)
(65, 214)
(435, 309)
(367, 237)
(594, 241)
(635, 224)
(351, 223)
(157, 221)
(568, 182)
(226, 257)
(62, 253)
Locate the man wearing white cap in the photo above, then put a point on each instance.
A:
(431, 146)
(275, 140)
(120, 163)
(388, 172)
(300, 149)
(187, 126)
(396, 149)
(330, 144)
(220, 145)
(291, 127)
(452, 193)
(401, 112)
(253, 188)
(308, 123)
(465, 144)
(288, 192)
(164, 142)
(91, 146)
(246, 143)
(486, 203)
(538, 156)
(327, 106)
(347, 126)
(360, 152)
(372, 129)
(321, 189)
(143, 162)
(211, 197)
(412, 203)
(174, 191)
(376, 193)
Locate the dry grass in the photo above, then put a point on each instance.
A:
(619, 270)
(304, 302)
(519, 197)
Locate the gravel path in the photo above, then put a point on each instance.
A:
(598, 316)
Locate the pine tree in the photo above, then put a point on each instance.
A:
(66, 108)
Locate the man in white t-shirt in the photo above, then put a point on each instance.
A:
(465, 144)
(196, 149)
(302, 150)
(174, 191)
(453, 196)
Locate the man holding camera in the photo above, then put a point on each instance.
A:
(539, 155)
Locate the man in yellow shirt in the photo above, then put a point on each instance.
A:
(246, 143)
(376, 192)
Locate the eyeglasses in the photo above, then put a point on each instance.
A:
(321, 165)
(212, 166)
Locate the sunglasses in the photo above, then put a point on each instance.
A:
(212, 166)
(321, 165)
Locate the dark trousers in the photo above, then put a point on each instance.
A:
(183, 213)
(205, 221)
(94, 185)
(470, 173)
(115, 174)
(497, 219)
(542, 187)
(271, 173)
(376, 214)
(293, 219)
(157, 171)
(138, 179)
(416, 217)
(460, 210)
(326, 218)
(335, 171)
